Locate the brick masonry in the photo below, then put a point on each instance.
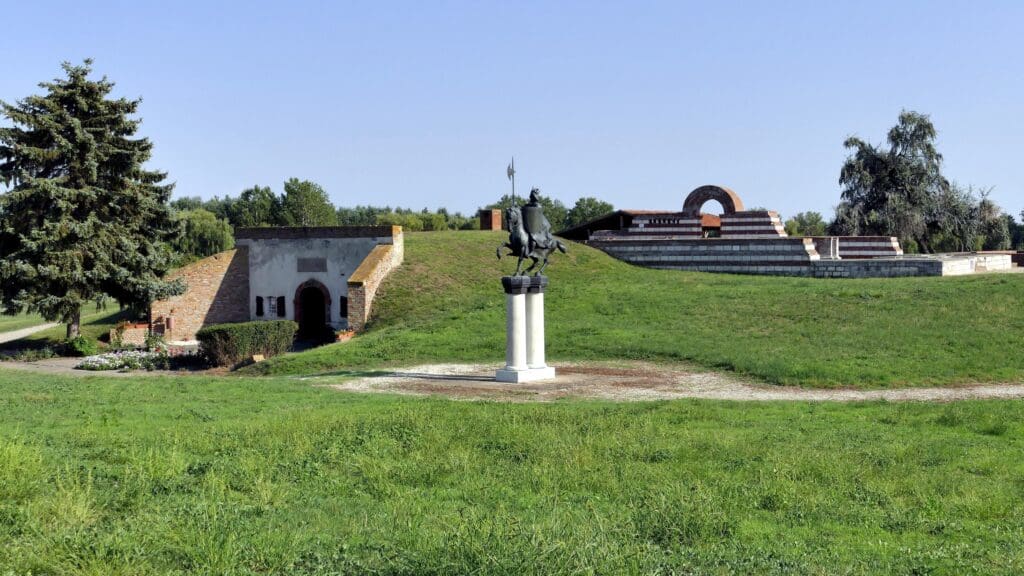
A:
(364, 282)
(490, 219)
(217, 291)
(133, 335)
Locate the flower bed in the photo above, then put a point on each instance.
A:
(126, 360)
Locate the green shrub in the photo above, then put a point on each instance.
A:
(155, 342)
(30, 354)
(81, 346)
(231, 344)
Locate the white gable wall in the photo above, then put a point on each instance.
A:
(274, 270)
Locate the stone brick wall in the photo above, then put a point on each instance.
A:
(364, 282)
(771, 256)
(877, 268)
(851, 247)
(753, 224)
(739, 225)
(928, 265)
(785, 257)
(133, 335)
(217, 291)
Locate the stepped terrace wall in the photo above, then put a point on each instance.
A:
(855, 247)
(768, 256)
(784, 257)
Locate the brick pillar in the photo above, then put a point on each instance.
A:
(490, 219)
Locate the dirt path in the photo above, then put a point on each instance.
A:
(66, 367)
(632, 382)
(627, 382)
(13, 335)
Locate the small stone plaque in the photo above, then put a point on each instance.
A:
(312, 265)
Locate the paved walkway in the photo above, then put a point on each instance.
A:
(13, 335)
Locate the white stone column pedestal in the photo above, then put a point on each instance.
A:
(524, 330)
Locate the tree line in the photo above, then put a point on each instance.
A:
(207, 226)
(83, 220)
(898, 189)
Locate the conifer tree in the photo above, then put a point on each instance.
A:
(82, 219)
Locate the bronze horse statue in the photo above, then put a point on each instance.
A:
(529, 236)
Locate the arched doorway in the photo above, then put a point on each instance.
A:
(312, 309)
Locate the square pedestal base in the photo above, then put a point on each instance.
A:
(527, 375)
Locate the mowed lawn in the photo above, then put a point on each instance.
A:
(19, 321)
(445, 304)
(96, 324)
(200, 475)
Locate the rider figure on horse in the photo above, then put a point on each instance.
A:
(529, 234)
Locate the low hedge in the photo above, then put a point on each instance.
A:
(232, 344)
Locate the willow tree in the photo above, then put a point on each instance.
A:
(892, 190)
(82, 219)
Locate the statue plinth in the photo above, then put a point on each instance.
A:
(524, 330)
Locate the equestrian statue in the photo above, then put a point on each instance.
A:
(529, 235)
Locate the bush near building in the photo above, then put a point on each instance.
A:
(232, 344)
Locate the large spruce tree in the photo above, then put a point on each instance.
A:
(82, 219)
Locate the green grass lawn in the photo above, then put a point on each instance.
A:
(446, 304)
(19, 321)
(200, 475)
(96, 324)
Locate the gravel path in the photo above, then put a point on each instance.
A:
(66, 367)
(633, 382)
(13, 335)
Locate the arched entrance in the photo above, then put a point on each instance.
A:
(312, 309)
(730, 202)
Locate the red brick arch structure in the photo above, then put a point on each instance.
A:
(729, 200)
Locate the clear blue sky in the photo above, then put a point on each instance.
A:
(422, 103)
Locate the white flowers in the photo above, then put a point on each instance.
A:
(126, 360)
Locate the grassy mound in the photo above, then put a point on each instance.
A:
(198, 475)
(446, 304)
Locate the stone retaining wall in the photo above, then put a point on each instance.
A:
(932, 265)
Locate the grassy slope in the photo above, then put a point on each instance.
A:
(19, 321)
(256, 476)
(95, 325)
(446, 304)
